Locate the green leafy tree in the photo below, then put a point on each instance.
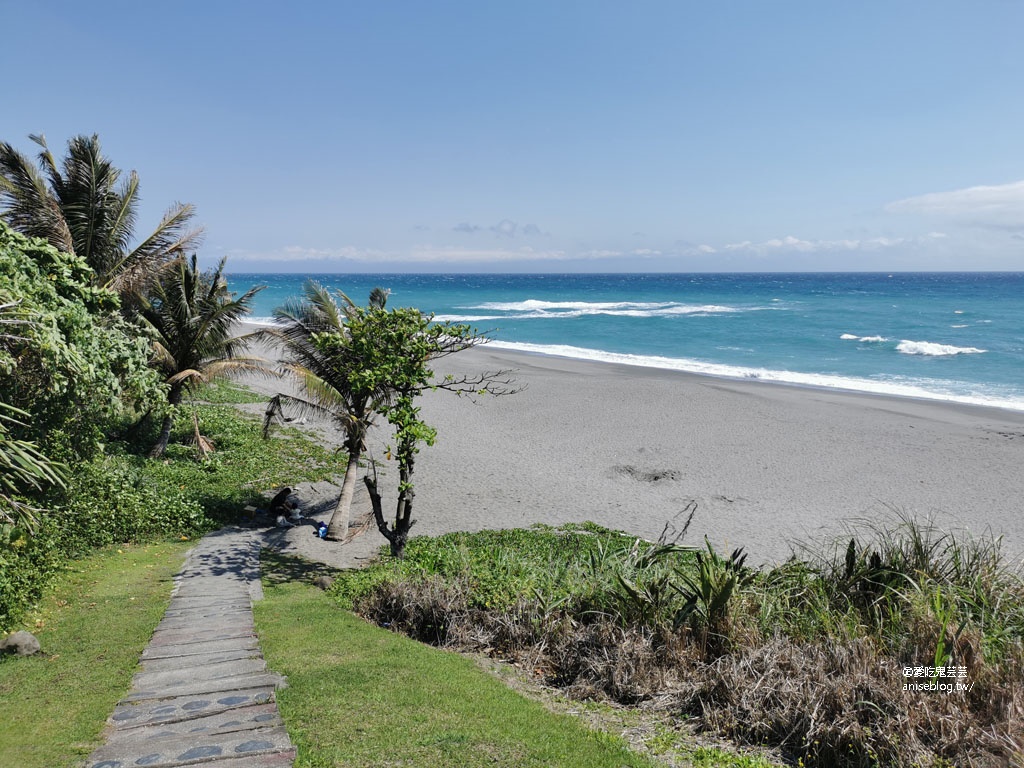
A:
(354, 364)
(192, 316)
(84, 206)
(71, 360)
(403, 345)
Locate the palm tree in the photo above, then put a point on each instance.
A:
(192, 316)
(321, 356)
(81, 208)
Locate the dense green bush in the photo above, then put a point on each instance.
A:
(72, 361)
(27, 566)
(499, 567)
(112, 499)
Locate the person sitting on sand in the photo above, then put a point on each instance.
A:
(284, 511)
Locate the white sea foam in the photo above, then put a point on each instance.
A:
(536, 309)
(467, 318)
(931, 349)
(536, 304)
(925, 390)
(865, 339)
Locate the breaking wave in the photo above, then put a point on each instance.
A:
(535, 308)
(865, 339)
(931, 349)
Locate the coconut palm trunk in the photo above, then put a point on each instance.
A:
(173, 399)
(337, 529)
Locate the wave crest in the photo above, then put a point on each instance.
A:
(932, 349)
(536, 308)
(865, 339)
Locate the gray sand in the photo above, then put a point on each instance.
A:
(630, 448)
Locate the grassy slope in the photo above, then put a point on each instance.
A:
(361, 696)
(92, 627)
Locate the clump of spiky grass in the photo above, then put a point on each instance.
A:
(809, 656)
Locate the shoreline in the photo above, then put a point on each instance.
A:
(756, 381)
(629, 447)
(781, 377)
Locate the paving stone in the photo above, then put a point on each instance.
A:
(182, 749)
(178, 708)
(183, 650)
(197, 635)
(233, 620)
(245, 716)
(185, 675)
(209, 659)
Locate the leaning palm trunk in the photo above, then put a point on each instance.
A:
(337, 529)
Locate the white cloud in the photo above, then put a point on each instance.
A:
(999, 207)
(302, 253)
(795, 244)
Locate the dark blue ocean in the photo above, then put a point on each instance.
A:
(946, 336)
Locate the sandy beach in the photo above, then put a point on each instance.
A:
(630, 448)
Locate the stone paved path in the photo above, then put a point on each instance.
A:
(204, 694)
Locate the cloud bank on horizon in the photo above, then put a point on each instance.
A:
(988, 207)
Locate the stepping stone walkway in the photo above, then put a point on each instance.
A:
(204, 694)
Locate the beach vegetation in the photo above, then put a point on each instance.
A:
(192, 316)
(85, 206)
(24, 470)
(66, 356)
(120, 496)
(396, 348)
(848, 654)
(355, 363)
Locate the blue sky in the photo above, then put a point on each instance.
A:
(547, 136)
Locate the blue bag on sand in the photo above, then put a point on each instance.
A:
(321, 530)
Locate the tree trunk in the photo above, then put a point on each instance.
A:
(337, 529)
(173, 399)
(399, 535)
(403, 513)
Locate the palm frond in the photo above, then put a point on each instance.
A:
(192, 316)
(171, 239)
(27, 203)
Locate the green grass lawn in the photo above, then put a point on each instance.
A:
(361, 696)
(92, 627)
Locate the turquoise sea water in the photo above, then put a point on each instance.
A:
(947, 336)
